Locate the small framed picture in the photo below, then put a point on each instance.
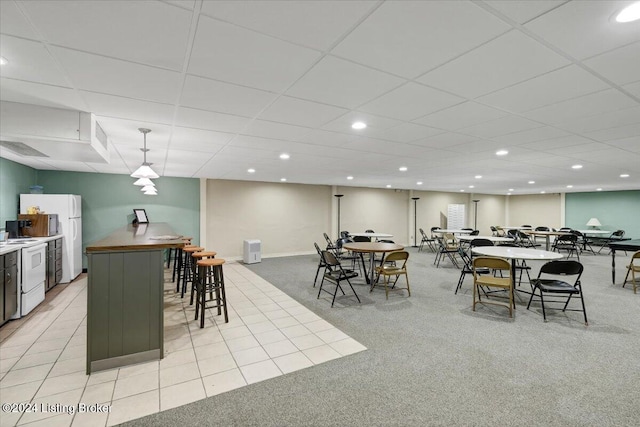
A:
(141, 216)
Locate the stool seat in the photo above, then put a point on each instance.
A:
(192, 249)
(210, 262)
(204, 254)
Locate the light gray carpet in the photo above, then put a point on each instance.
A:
(432, 361)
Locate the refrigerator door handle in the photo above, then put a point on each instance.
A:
(75, 230)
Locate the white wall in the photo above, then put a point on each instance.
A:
(536, 210)
(381, 210)
(287, 218)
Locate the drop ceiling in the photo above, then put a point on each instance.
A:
(442, 85)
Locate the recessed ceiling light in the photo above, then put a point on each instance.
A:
(542, 192)
(402, 168)
(508, 194)
(359, 125)
(569, 186)
(511, 189)
(532, 182)
(478, 176)
(598, 189)
(462, 191)
(630, 13)
(349, 178)
(576, 167)
(472, 186)
(3, 60)
(251, 170)
(502, 152)
(624, 175)
(283, 179)
(388, 185)
(284, 156)
(419, 183)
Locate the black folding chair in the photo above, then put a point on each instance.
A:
(555, 281)
(334, 272)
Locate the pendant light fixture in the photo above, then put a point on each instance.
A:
(145, 171)
(143, 181)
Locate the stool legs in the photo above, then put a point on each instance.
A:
(208, 280)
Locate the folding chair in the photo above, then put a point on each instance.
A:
(334, 272)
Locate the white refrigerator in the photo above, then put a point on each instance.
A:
(69, 210)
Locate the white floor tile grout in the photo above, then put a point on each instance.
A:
(257, 344)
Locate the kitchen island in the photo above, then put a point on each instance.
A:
(125, 296)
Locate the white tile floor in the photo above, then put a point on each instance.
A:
(42, 357)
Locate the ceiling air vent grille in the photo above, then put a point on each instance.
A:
(21, 149)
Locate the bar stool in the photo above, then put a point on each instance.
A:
(197, 256)
(210, 278)
(188, 267)
(177, 260)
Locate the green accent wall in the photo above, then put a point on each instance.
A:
(616, 210)
(108, 201)
(14, 180)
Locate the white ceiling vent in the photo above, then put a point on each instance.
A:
(52, 132)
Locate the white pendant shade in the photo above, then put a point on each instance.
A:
(150, 193)
(145, 171)
(148, 188)
(144, 182)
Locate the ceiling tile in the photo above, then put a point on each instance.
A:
(461, 115)
(275, 130)
(603, 121)
(198, 139)
(566, 83)
(342, 83)
(123, 132)
(116, 77)
(131, 30)
(40, 94)
(326, 138)
(627, 131)
(621, 66)
(501, 126)
(13, 22)
(212, 95)
(584, 106)
(511, 58)
(193, 118)
(229, 53)
(531, 135)
(629, 144)
(374, 123)
(125, 108)
(316, 24)
(407, 132)
(523, 11)
(410, 101)
(565, 141)
(30, 61)
(633, 88)
(445, 140)
(430, 34)
(301, 113)
(585, 28)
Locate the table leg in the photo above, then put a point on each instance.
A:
(548, 241)
(372, 264)
(613, 266)
(364, 267)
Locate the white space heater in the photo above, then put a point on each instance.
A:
(252, 251)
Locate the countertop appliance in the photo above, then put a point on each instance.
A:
(17, 227)
(68, 209)
(34, 274)
(42, 225)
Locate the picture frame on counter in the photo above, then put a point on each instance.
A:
(141, 216)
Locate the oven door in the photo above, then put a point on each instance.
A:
(34, 266)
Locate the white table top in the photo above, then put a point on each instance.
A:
(514, 227)
(546, 233)
(606, 232)
(517, 253)
(446, 230)
(375, 235)
(492, 238)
